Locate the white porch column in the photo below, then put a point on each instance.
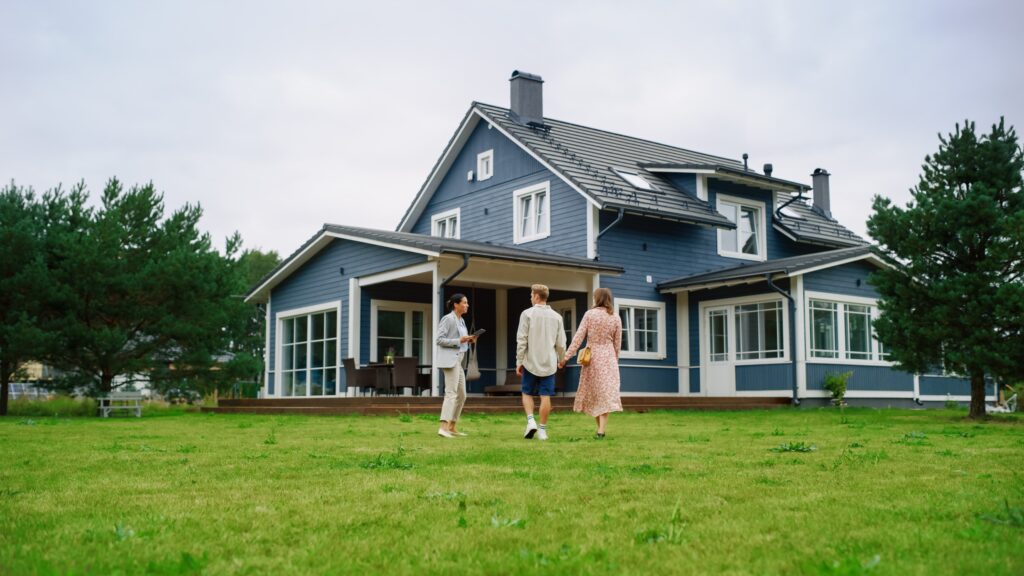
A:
(797, 289)
(501, 338)
(354, 298)
(266, 354)
(435, 319)
(683, 340)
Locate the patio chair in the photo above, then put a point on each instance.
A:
(360, 378)
(407, 374)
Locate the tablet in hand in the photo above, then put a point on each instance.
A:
(478, 333)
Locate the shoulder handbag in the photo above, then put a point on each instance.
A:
(584, 356)
(472, 368)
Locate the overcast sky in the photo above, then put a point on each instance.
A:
(278, 117)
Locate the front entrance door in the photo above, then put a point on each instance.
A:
(719, 372)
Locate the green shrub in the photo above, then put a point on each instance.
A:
(835, 383)
(56, 406)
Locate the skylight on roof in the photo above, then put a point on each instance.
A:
(635, 179)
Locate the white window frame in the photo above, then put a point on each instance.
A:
(732, 343)
(407, 308)
(482, 174)
(662, 352)
(561, 306)
(447, 216)
(841, 300)
(762, 235)
(279, 319)
(517, 195)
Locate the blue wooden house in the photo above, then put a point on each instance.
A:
(729, 281)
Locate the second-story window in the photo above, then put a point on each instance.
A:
(531, 213)
(484, 165)
(747, 240)
(445, 224)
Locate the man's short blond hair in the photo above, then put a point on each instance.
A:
(540, 290)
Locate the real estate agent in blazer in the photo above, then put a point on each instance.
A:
(453, 340)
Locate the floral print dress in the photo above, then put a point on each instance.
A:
(599, 383)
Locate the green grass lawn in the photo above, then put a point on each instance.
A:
(879, 492)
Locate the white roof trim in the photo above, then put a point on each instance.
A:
(721, 175)
(722, 283)
(871, 257)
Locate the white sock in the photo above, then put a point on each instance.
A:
(543, 426)
(529, 418)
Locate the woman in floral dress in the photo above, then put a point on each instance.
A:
(598, 393)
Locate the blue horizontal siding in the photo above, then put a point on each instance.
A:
(942, 385)
(486, 207)
(648, 379)
(751, 378)
(319, 280)
(849, 279)
(865, 378)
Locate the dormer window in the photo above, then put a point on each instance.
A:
(636, 180)
(484, 165)
(747, 240)
(531, 213)
(445, 224)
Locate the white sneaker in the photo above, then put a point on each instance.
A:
(531, 428)
(542, 434)
(445, 433)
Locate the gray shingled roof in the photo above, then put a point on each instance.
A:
(814, 227)
(586, 157)
(439, 246)
(784, 266)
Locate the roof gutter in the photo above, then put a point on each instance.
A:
(622, 214)
(792, 333)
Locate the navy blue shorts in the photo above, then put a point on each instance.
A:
(538, 385)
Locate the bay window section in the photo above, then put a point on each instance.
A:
(759, 331)
(824, 333)
(858, 332)
(844, 330)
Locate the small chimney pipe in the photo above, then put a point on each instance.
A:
(527, 98)
(822, 202)
(768, 170)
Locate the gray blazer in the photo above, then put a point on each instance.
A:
(447, 342)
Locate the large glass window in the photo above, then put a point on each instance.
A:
(643, 328)
(747, 239)
(531, 213)
(309, 355)
(824, 329)
(843, 330)
(398, 329)
(759, 331)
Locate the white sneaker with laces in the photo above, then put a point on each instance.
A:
(531, 428)
(445, 433)
(542, 434)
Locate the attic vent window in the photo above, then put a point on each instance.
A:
(635, 179)
(485, 165)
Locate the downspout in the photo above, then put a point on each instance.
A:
(778, 210)
(792, 333)
(622, 214)
(440, 288)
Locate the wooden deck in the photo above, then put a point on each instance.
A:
(392, 405)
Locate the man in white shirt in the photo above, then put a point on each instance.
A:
(540, 344)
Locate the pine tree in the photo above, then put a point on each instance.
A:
(955, 294)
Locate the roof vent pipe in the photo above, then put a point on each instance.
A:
(745, 156)
(822, 203)
(527, 99)
(768, 170)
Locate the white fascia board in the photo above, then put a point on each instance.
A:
(294, 263)
(397, 274)
(755, 182)
(593, 201)
(870, 257)
(393, 246)
(426, 192)
(723, 284)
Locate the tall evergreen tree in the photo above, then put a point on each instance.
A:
(137, 290)
(955, 295)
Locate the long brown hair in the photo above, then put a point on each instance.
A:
(603, 299)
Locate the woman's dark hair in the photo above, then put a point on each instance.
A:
(453, 300)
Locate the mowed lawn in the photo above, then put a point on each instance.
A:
(879, 492)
